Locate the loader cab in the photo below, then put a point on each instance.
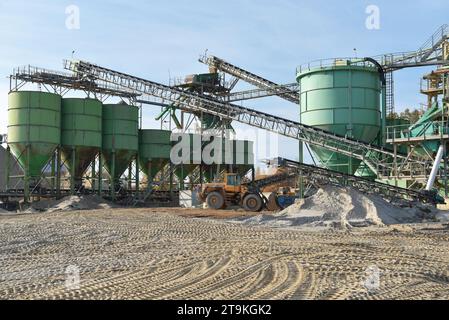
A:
(232, 183)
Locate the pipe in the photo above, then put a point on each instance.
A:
(436, 167)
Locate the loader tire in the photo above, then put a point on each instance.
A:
(215, 200)
(253, 202)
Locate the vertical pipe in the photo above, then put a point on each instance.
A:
(384, 114)
(72, 171)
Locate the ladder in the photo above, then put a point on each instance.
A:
(389, 93)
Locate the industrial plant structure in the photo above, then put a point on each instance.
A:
(347, 123)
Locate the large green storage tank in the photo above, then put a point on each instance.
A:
(34, 121)
(154, 151)
(120, 137)
(343, 99)
(81, 133)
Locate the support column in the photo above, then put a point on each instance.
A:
(171, 181)
(130, 176)
(137, 175)
(53, 173)
(100, 174)
(7, 167)
(112, 180)
(58, 172)
(26, 180)
(92, 175)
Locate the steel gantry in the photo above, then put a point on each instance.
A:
(383, 161)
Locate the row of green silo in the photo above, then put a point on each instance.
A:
(40, 122)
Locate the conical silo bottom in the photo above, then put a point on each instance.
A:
(83, 158)
(156, 166)
(122, 160)
(40, 155)
(336, 161)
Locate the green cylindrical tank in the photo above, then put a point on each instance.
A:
(120, 137)
(34, 121)
(345, 100)
(81, 134)
(154, 150)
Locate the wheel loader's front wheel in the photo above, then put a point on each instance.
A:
(253, 203)
(215, 200)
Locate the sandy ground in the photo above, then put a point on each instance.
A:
(173, 254)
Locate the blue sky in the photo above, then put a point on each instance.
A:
(155, 39)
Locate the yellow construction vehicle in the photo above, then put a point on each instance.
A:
(248, 195)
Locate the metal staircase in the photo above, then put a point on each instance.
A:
(429, 54)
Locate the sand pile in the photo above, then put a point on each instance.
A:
(90, 202)
(345, 208)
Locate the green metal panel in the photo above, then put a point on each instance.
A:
(344, 100)
(154, 150)
(182, 171)
(81, 124)
(120, 136)
(34, 120)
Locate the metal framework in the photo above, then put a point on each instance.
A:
(381, 160)
(262, 83)
(321, 176)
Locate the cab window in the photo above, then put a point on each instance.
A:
(233, 181)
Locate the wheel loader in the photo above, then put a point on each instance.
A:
(233, 192)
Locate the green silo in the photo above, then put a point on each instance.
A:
(344, 99)
(81, 135)
(34, 130)
(154, 151)
(120, 137)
